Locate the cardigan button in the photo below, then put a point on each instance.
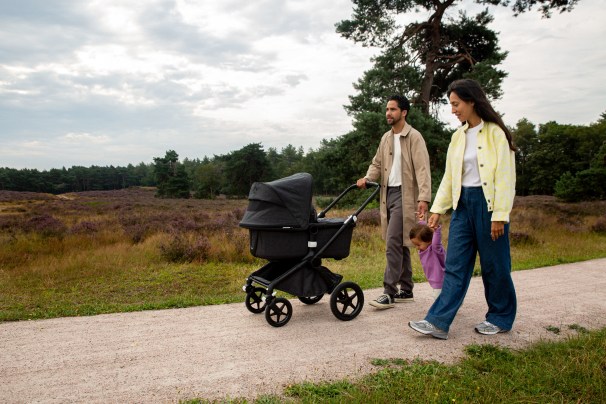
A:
(484, 183)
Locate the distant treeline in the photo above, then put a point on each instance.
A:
(568, 161)
(77, 178)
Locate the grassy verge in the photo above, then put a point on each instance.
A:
(572, 371)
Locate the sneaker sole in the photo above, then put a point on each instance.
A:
(490, 332)
(382, 306)
(411, 299)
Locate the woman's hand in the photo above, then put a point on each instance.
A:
(497, 229)
(434, 221)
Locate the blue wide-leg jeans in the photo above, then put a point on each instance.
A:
(469, 234)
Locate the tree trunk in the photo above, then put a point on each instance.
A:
(435, 35)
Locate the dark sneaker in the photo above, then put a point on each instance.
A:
(383, 302)
(487, 328)
(425, 327)
(403, 296)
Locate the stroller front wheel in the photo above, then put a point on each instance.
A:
(254, 300)
(278, 312)
(347, 301)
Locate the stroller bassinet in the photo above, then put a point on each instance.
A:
(285, 229)
(283, 223)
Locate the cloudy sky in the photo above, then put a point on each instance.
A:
(113, 82)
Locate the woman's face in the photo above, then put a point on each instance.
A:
(463, 110)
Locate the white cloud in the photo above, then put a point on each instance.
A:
(85, 138)
(114, 82)
(556, 66)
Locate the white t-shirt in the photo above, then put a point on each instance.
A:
(471, 172)
(395, 175)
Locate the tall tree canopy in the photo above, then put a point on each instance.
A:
(423, 57)
(171, 176)
(245, 166)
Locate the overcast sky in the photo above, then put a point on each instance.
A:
(112, 82)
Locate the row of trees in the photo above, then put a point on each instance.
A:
(568, 161)
(76, 178)
(565, 160)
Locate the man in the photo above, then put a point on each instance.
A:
(402, 164)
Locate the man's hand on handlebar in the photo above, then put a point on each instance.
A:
(361, 183)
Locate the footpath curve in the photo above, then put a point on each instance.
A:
(225, 351)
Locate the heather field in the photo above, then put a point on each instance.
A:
(114, 251)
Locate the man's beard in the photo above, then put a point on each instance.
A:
(394, 121)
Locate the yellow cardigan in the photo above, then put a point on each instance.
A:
(496, 162)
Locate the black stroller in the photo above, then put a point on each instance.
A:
(285, 229)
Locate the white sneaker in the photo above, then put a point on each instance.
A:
(488, 328)
(425, 327)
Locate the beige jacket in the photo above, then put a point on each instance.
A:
(416, 177)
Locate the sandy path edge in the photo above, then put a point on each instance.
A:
(218, 351)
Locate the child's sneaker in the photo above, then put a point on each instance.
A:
(383, 302)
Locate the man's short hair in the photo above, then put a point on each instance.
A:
(402, 101)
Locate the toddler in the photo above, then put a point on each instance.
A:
(431, 254)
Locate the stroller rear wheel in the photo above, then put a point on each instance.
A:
(311, 299)
(254, 300)
(347, 301)
(278, 312)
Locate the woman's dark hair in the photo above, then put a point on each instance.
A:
(470, 91)
(402, 101)
(422, 232)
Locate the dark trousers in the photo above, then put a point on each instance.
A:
(469, 234)
(399, 268)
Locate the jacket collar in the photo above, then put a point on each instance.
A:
(466, 126)
(405, 130)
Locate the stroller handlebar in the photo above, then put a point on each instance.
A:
(352, 187)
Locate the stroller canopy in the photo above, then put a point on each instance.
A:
(285, 202)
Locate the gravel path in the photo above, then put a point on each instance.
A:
(226, 351)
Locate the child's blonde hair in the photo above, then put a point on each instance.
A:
(422, 232)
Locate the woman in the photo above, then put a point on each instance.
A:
(479, 185)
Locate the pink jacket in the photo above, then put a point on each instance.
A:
(432, 260)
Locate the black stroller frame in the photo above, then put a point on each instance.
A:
(285, 229)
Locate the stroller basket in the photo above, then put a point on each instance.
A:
(306, 281)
